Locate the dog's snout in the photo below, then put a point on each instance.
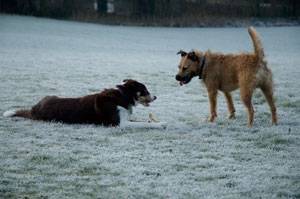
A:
(154, 97)
(178, 77)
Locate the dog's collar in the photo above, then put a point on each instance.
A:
(202, 67)
(125, 96)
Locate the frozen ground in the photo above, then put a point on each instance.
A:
(190, 159)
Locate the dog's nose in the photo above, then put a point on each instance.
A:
(178, 77)
(154, 97)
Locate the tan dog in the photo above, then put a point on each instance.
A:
(229, 72)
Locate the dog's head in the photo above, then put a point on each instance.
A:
(139, 91)
(188, 66)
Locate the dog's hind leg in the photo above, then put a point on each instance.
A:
(230, 105)
(246, 96)
(212, 94)
(267, 90)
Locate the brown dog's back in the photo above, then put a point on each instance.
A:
(68, 110)
(98, 108)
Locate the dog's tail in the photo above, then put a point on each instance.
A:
(258, 49)
(18, 113)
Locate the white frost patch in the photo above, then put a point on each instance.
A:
(9, 113)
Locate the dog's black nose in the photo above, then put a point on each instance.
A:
(154, 97)
(178, 77)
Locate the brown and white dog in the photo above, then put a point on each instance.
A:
(228, 72)
(101, 108)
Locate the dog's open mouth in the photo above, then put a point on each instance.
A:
(185, 81)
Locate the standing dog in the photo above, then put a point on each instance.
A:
(228, 72)
(100, 108)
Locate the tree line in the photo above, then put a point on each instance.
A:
(152, 9)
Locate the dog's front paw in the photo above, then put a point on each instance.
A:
(231, 116)
(212, 118)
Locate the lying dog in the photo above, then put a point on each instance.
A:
(100, 108)
(227, 73)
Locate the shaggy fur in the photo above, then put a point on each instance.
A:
(228, 72)
(100, 108)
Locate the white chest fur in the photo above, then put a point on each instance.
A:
(125, 114)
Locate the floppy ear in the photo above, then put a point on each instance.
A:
(192, 56)
(129, 82)
(182, 53)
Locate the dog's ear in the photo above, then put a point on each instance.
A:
(192, 56)
(129, 82)
(182, 53)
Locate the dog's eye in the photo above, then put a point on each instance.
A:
(184, 68)
(144, 93)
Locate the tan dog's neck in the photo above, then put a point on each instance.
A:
(202, 65)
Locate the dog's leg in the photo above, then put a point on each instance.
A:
(212, 94)
(230, 105)
(268, 92)
(246, 96)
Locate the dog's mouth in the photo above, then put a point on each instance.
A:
(184, 80)
(146, 100)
